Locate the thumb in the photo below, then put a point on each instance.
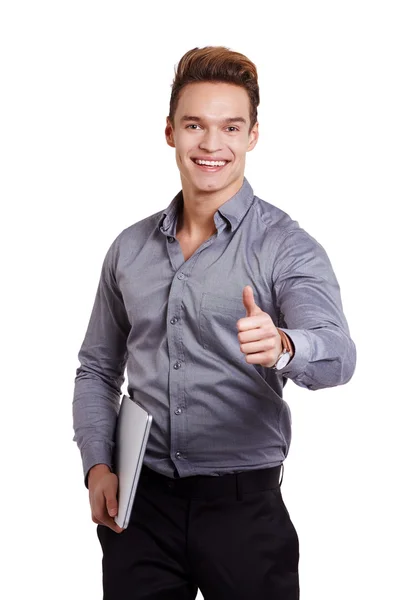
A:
(248, 300)
(111, 501)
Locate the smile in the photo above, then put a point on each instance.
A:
(209, 165)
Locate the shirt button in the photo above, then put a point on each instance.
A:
(171, 239)
(177, 365)
(173, 320)
(178, 411)
(178, 454)
(181, 276)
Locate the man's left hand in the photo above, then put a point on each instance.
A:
(259, 339)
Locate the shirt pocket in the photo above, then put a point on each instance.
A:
(217, 324)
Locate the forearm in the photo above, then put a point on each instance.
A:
(311, 314)
(322, 357)
(95, 410)
(99, 378)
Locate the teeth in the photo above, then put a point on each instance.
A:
(211, 163)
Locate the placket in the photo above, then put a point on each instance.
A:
(175, 327)
(177, 407)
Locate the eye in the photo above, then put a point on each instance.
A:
(232, 127)
(191, 125)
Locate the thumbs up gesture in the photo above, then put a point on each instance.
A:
(259, 339)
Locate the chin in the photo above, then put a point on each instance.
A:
(210, 185)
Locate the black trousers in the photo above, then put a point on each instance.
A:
(230, 536)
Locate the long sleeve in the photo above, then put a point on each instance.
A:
(311, 313)
(100, 376)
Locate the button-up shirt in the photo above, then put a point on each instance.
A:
(172, 324)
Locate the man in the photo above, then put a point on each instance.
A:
(212, 304)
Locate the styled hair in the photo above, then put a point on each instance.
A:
(218, 64)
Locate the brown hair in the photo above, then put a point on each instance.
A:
(219, 64)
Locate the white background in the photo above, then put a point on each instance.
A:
(85, 92)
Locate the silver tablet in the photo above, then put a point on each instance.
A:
(132, 432)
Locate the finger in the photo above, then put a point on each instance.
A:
(261, 358)
(102, 518)
(112, 506)
(110, 495)
(109, 522)
(249, 302)
(246, 323)
(257, 347)
(253, 335)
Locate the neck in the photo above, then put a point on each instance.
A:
(196, 219)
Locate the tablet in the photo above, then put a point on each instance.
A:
(132, 432)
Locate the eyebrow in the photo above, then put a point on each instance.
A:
(228, 120)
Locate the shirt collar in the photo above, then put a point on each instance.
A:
(167, 223)
(236, 207)
(233, 210)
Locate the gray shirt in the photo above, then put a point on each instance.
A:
(172, 324)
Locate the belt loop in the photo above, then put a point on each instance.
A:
(281, 479)
(238, 487)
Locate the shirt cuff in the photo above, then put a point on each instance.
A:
(302, 352)
(95, 454)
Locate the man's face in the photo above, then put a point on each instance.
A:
(211, 123)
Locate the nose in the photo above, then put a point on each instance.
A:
(210, 142)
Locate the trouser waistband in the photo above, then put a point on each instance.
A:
(209, 486)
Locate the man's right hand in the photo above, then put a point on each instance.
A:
(103, 486)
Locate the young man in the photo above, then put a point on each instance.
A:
(212, 304)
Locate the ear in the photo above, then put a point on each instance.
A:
(253, 137)
(169, 133)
